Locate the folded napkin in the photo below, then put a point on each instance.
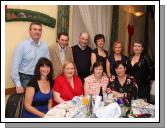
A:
(113, 110)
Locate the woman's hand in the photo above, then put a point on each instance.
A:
(108, 90)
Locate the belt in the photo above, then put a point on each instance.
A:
(41, 103)
(25, 74)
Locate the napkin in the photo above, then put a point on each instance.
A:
(113, 110)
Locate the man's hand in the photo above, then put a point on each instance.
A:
(19, 90)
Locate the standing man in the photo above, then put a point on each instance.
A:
(82, 56)
(26, 55)
(59, 53)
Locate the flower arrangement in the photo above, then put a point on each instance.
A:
(85, 101)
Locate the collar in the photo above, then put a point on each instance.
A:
(60, 49)
(33, 42)
(82, 48)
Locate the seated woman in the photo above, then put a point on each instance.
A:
(96, 80)
(38, 94)
(67, 85)
(122, 86)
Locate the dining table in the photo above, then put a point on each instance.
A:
(94, 107)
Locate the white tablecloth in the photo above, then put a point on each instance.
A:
(75, 109)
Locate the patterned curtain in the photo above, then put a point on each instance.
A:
(63, 18)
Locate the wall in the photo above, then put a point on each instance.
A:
(126, 18)
(15, 32)
(122, 27)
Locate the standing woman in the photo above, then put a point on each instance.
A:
(38, 94)
(99, 54)
(115, 56)
(141, 67)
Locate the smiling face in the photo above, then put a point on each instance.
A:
(35, 32)
(117, 48)
(44, 70)
(100, 43)
(69, 70)
(120, 70)
(63, 41)
(137, 48)
(98, 71)
(83, 40)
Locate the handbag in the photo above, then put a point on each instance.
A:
(14, 106)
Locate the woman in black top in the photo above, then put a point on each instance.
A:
(115, 56)
(99, 54)
(38, 94)
(141, 67)
(122, 85)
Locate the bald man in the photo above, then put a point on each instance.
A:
(82, 56)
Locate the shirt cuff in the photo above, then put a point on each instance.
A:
(18, 84)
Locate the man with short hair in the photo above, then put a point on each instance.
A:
(26, 55)
(59, 53)
(82, 56)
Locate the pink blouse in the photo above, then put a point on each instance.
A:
(94, 85)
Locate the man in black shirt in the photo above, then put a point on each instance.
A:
(82, 56)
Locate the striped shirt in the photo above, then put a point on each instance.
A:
(25, 58)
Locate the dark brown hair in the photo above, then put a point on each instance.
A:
(41, 62)
(97, 64)
(97, 37)
(139, 42)
(119, 62)
(62, 33)
(35, 23)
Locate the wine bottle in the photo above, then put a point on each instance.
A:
(101, 93)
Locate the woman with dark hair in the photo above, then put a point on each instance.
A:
(99, 54)
(141, 67)
(97, 80)
(38, 94)
(115, 56)
(122, 85)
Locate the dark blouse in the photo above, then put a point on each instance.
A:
(101, 58)
(39, 99)
(143, 71)
(112, 61)
(130, 87)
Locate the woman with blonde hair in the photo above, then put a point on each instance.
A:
(67, 85)
(117, 55)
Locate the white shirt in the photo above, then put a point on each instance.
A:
(62, 54)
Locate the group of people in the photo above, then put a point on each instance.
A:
(55, 74)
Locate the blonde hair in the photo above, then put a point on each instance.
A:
(68, 62)
(118, 42)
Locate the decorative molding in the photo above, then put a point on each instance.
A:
(63, 18)
(29, 15)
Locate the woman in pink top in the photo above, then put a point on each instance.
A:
(96, 80)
